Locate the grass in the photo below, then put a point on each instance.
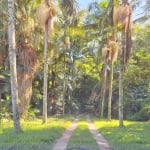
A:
(134, 136)
(36, 136)
(82, 137)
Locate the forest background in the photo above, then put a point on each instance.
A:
(77, 68)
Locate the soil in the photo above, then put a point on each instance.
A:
(61, 144)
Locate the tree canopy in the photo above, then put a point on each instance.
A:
(79, 65)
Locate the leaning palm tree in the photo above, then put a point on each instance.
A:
(12, 59)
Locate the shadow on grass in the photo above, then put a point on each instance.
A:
(134, 136)
(36, 136)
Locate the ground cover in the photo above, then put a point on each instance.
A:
(134, 136)
(35, 136)
(82, 137)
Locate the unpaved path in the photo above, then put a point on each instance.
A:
(61, 144)
(101, 142)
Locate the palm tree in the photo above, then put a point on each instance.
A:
(45, 14)
(12, 59)
(124, 18)
(46, 20)
(27, 62)
(69, 14)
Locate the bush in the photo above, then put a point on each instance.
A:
(144, 113)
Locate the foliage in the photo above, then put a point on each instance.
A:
(136, 80)
(83, 90)
(144, 112)
(87, 31)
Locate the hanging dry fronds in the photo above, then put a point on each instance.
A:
(110, 52)
(50, 25)
(67, 43)
(27, 57)
(105, 53)
(122, 19)
(42, 14)
(122, 16)
(113, 53)
(27, 65)
(45, 15)
(115, 13)
(3, 56)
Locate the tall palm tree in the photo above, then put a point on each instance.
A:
(123, 17)
(47, 22)
(69, 14)
(12, 59)
(45, 14)
(27, 62)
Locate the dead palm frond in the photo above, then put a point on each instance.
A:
(45, 15)
(27, 58)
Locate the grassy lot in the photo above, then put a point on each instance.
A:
(134, 136)
(82, 137)
(36, 136)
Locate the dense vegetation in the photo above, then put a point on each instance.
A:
(77, 69)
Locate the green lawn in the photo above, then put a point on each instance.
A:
(36, 136)
(134, 136)
(82, 137)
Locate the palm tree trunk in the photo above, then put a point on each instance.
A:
(110, 91)
(0, 107)
(122, 69)
(64, 86)
(104, 78)
(13, 70)
(45, 74)
(25, 93)
(121, 98)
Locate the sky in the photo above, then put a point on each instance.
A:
(84, 3)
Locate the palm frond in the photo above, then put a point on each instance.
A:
(70, 7)
(27, 59)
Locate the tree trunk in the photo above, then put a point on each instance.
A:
(121, 73)
(110, 91)
(103, 91)
(64, 86)
(25, 93)
(0, 107)
(12, 60)
(121, 98)
(45, 74)
(27, 67)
